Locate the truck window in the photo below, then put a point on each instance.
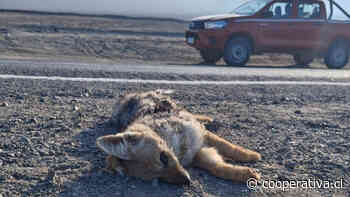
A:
(309, 10)
(281, 9)
(251, 7)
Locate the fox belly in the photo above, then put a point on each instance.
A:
(183, 134)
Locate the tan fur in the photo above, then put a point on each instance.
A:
(157, 139)
(209, 159)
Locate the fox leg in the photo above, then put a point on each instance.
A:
(113, 165)
(209, 159)
(231, 151)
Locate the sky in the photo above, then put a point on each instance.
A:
(153, 8)
(181, 9)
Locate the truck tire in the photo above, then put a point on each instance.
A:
(303, 60)
(210, 56)
(237, 51)
(338, 55)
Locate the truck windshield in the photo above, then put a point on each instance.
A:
(251, 7)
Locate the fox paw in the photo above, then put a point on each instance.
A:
(252, 173)
(254, 156)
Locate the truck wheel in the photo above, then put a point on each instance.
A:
(303, 60)
(337, 56)
(237, 51)
(210, 56)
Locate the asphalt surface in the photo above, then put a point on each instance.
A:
(224, 71)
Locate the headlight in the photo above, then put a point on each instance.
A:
(215, 24)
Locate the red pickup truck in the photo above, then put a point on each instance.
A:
(301, 28)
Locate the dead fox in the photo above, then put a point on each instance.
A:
(157, 139)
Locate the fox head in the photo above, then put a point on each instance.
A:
(132, 106)
(144, 155)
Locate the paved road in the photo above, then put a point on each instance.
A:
(185, 69)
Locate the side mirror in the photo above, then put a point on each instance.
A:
(267, 14)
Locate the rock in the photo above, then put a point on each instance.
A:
(297, 112)
(11, 154)
(290, 165)
(19, 97)
(75, 101)
(75, 108)
(4, 104)
(25, 140)
(285, 99)
(44, 152)
(33, 120)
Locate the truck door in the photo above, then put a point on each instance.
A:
(274, 29)
(309, 25)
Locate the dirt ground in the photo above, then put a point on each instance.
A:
(48, 128)
(109, 39)
(48, 131)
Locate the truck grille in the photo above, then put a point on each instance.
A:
(195, 25)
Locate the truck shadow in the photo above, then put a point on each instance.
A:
(290, 66)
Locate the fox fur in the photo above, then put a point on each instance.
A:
(157, 139)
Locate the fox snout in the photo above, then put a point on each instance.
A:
(179, 176)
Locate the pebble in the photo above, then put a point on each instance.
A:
(44, 152)
(25, 140)
(19, 97)
(33, 120)
(297, 112)
(291, 165)
(11, 154)
(75, 108)
(4, 104)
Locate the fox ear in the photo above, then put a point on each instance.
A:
(121, 145)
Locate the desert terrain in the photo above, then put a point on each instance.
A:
(108, 39)
(48, 128)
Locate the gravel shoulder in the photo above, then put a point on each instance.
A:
(49, 130)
